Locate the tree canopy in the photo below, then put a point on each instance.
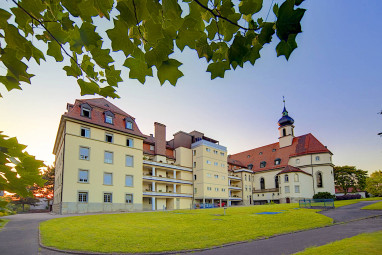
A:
(348, 178)
(374, 184)
(227, 34)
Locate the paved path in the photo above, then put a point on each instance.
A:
(20, 235)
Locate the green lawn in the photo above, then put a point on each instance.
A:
(375, 206)
(3, 222)
(367, 244)
(354, 201)
(177, 230)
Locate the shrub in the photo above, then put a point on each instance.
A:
(348, 197)
(324, 195)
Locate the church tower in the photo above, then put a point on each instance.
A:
(285, 129)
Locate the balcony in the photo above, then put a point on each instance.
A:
(266, 190)
(235, 187)
(165, 179)
(235, 198)
(234, 177)
(164, 165)
(165, 194)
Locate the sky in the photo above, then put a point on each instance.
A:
(332, 86)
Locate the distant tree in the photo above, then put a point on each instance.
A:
(45, 191)
(374, 184)
(25, 201)
(324, 195)
(346, 177)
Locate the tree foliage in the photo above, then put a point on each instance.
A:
(349, 177)
(18, 169)
(25, 201)
(374, 184)
(47, 190)
(225, 33)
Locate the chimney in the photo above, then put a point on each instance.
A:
(160, 139)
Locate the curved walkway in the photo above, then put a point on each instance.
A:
(20, 235)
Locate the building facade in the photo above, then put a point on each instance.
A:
(104, 163)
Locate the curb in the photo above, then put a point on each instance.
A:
(202, 249)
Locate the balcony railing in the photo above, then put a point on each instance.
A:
(165, 179)
(165, 194)
(164, 165)
(235, 198)
(266, 190)
(234, 177)
(234, 187)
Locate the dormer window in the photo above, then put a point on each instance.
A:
(86, 110)
(277, 161)
(128, 123)
(263, 164)
(250, 166)
(109, 117)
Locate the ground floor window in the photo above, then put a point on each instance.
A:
(83, 197)
(297, 189)
(129, 198)
(107, 198)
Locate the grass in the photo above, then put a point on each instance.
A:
(177, 230)
(375, 206)
(3, 222)
(340, 203)
(370, 243)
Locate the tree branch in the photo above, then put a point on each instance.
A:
(136, 19)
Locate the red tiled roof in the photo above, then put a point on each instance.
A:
(292, 169)
(100, 105)
(301, 145)
(232, 161)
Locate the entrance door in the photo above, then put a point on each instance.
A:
(250, 199)
(288, 200)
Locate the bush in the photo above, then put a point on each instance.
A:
(348, 197)
(324, 195)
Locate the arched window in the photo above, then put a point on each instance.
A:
(319, 179)
(262, 183)
(245, 177)
(277, 181)
(284, 132)
(286, 178)
(296, 178)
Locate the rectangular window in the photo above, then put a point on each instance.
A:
(208, 188)
(194, 152)
(209, 162)
(223, 177)
(129, 125)
(208, 149)
(208, 175)
(129, 180)
(215, 152)
(297, 189)
(216, 163)
(221, 153)
(83, 176)
(152, 147)
(108, 157)
(109, 119)
(82, 197)
(85, 132)
(194, 176)
(194, 164)
(216, 176)
(85, 112)
(223, 165)
(107, 198)
(129, 198)
(223, 189)
(129, 161)
(195, 190)
(108, 179)
(216, 189)
(129, 142)
(287, 189)
(84, 153)
(109, 138)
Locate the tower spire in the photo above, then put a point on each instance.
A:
(285, 112)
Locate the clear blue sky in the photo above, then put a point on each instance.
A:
(332, 86)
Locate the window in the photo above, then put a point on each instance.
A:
(276, 181)
(129, 142)
(194, 164)
(84, 153)
(284, 132)
(223, 165)
(250, 166)
(107, 198)
(109, 138)
(216, 176)
(83, 197)
(287, 189)
(195, 190)
(194, 152)
(262, 183)
(263, 164)
(216, 189)
(129, 124)
(215, 152)
(208, 175)
(260, 153)
(108, 119)
(297, 161)
(286, 178)
(85, 132)
(194, 176)
(273, 150)
(297, 189)
(246, 188)
(223, 189)
(317, 158)
(277, 161)
(129, 198)
(129, 160)
(319, 179)
(209, 162)
(108, 179)
(296, 178)
(249, 188)
(248, 156)
(216, 163)
(83, 176)
(208, 188)
(223, 177)
(129, 181)
(221, 153)
(108, 159)
(152, 147)
(208, 149)
(86, 111)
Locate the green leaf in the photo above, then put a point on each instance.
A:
(113, 76)
(103, 7)
(250, 6)
(266, 33)
(218, 69)
(188, 38)
(4, 16)
(10, 82)
(88, 35)
(54, 50)
(286, 48)
(14, 65)
(108, 91)
(153, 31)
(102, 57)
(288, 20)
(138, 69)
(119, 38)
(238, 50)
(88, 88)
(73, 69)
(169, 71)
